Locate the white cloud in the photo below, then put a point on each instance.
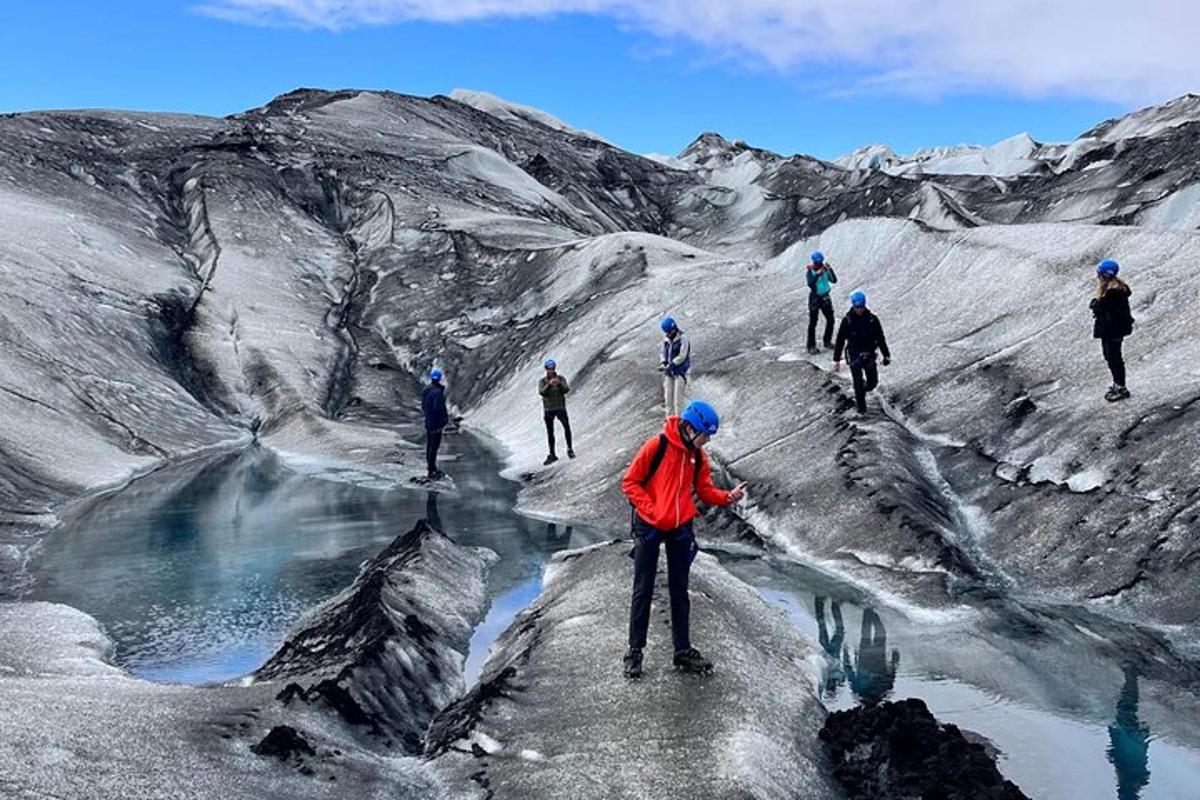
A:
(1109, 49)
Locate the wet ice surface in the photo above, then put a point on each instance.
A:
(1067, 721)
(197, 573)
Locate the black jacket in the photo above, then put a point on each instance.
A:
(1113, 318)
(860, 333)
(433, 403)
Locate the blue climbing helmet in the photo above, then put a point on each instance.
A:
(818, 257)
(550, 363)
(701, 416)
(435, 374)
(858, 300)
(1108, 267)
(668, 325)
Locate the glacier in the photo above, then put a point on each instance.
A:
(179, 287)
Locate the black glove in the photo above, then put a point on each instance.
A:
(887, 360)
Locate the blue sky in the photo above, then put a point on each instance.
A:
(647, 76)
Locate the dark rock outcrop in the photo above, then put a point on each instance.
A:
(899, 751)
(284, 743)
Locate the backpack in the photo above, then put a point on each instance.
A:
(655, 462)
(659, 454)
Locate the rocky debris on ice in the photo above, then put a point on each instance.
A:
(898, 751)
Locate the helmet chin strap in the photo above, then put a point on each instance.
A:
(689, 439)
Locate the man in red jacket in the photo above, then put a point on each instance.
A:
(659, 483)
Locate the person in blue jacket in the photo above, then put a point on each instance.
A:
(674, 362)
(433, 405)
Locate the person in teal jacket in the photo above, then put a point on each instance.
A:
(820, 277)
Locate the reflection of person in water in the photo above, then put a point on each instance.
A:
(431, 511)
(834, 675)
(1129, 742)
(873, 678)
(556, 536)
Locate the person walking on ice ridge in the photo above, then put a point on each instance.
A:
(660, 482)
(819, 276)
(553, 388)
(860, 335)
(674, 363)
(433, 406)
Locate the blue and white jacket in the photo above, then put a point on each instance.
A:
(676, 355)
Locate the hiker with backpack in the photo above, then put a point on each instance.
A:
(433, 406)
(553, 388)
(660, 483)
(860, 335)
(819, 276)
(675, 361)
(1113, 322)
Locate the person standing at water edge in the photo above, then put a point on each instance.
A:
(553, 388)
(819, 276)
(659, 483)
(860, 335)
(1113, 322)
(674, 364)
(433, 405)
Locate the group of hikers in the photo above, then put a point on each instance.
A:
(672, 466)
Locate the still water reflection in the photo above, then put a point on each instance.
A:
(1064, 705)
(198, 572)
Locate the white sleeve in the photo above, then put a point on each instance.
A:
(685, 348)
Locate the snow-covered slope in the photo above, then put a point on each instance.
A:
(994, 446)
(288, 273)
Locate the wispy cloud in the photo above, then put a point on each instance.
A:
(1107, 49)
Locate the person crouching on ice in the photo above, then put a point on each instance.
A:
(659, 483)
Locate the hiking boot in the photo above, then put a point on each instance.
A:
(550, 459)
(570, 453)
(633, 663)
(1116, 393)
(814, 350)
(690, 660)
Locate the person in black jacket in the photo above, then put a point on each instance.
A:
(860, 335)
(1113, 322)
(433, 405)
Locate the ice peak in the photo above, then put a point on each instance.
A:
(503, 109)
(1149, 121)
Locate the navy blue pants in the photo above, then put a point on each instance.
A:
(433, 440)
(681, 549)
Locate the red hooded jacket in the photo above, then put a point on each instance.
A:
(666, 501)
